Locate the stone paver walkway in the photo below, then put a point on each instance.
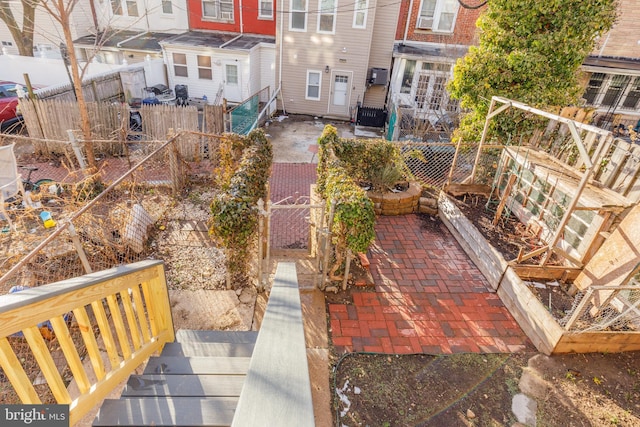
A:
(429, 298)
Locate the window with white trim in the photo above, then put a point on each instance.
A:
(360, 13)
(221, 10)
(327, 16)
(180, 65)
(116, 7)
(132, 8)
(266, 9)
(167, 7)
(438, 15)
(298, 15)
(429, 86)
(313, 85)
(204, 67)
(613, 90)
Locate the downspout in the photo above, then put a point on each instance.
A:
(94, 15)
(119, 44)
(280, 61)
(222, 46)
(406, 26)
(241, 20)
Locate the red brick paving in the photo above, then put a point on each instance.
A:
(429, 298)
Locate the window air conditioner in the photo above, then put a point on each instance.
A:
(226, 15)
(425, 23)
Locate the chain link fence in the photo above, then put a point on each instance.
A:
(90, 223)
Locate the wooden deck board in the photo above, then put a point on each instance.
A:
(277, 389)
(149, 411)
(190, 335)
(173, 365)
(196, 349)
(184, 385)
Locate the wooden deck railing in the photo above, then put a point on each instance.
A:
(124, 310)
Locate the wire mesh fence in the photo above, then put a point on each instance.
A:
(605, 309)
(95, 222)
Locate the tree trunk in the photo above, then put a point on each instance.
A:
(85, 123)
(23, 38)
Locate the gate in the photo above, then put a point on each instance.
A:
(292, 228)
(374, 117)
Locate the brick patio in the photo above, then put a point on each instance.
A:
(429, 298)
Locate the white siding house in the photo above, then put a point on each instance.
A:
(210, 61)
(326, 51)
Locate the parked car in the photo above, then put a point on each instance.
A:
(8, 104)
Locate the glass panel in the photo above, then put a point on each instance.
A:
(428, 8)
(314, 79)
(180, 71)
(594, 87)
(204, 61)
(167, 7)
(297, 20)
(298, 5)
(116, 7)
(616, 87)
(313, 92)
(266, 8)
(209, 9)
(232, 74)
(205, 73)
(421, 91)
(180, 58)
(407, 76)
(132, 8)
(631, 101)
(326, 23)
(437, 93)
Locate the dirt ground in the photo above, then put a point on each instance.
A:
(477, 389)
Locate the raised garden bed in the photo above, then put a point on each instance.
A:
(536, 321)
(400, 203)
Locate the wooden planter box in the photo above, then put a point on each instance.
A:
(534, 319)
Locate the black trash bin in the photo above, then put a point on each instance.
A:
(182, 94)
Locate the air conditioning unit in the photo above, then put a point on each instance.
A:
(226, 15)
(378, 76)
(425, 23)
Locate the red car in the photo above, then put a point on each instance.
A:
(8, 104)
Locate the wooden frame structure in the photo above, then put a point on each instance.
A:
(591, 143)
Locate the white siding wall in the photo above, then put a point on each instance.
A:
(268, 67)
(47, 30)
(346, 51)
(381, 52)
(151, 18)
(199, 87)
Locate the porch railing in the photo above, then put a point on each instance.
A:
(123, 310)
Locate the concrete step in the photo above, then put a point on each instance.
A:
(184, 385)
(190, 335)
(199, 349)
(167, 411)
(174, 365)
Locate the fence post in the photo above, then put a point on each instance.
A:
(79, 248)
(346, 270)
(174, 164)
(327, 246)
(76, 149)
(260, 243)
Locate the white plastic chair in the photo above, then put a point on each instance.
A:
(10, 179)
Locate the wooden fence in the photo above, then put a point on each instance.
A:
(106, 87)
(49, 122)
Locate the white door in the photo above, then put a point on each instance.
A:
(340, 92)
(232, 84)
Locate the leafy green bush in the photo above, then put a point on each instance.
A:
(243, 175)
